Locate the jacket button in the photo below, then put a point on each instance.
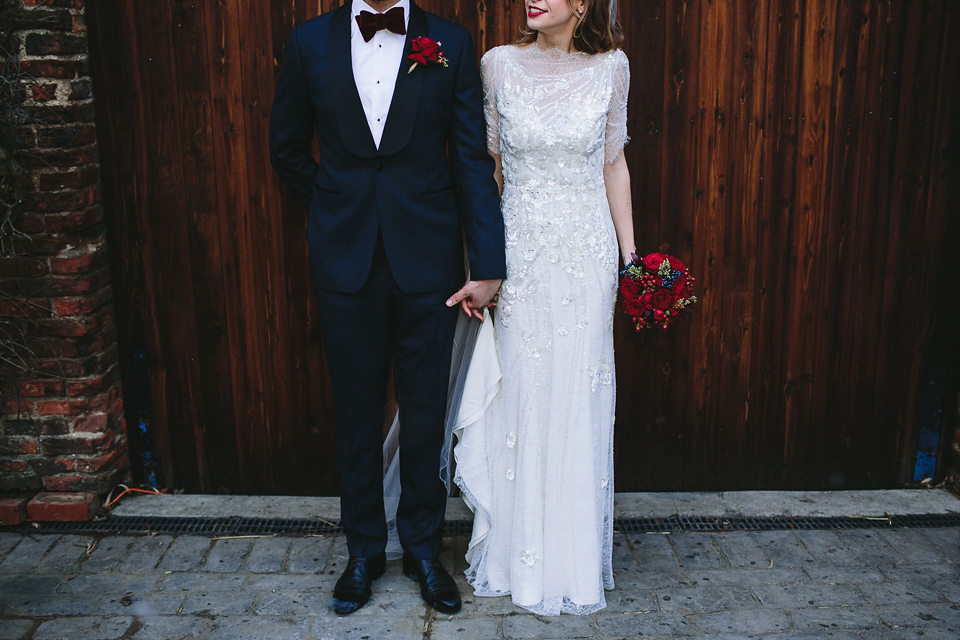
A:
(379, 166)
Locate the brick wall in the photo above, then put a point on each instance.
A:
(61, 426)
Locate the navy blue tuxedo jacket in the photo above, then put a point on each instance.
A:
(430, 178)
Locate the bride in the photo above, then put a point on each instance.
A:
(532, 395)
(536, 466)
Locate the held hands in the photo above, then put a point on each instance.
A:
(474, 296)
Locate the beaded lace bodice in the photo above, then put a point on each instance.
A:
(554, 118)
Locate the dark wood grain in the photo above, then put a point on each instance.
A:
(799, 155)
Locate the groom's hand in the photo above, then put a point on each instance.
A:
(474, 296)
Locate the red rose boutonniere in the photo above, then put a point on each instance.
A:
(426, 51)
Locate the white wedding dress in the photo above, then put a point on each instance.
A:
(535, 456)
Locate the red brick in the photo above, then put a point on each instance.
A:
(100, 362)
(63, 507)
(20, 482)
(69, 200)
(116, 411)
(46, 19)
(19, 267)
(70, 179)
(66, 368)
(93, 385)
(73, 221)
(46, 158)
(93, 423)
(46, 68)
(62, 407)
(13, 511)
(79, 23)
(44, 92)
(81, 89)
(41, 388)
(55, 286)
(99, 463)
(23, 308)
(60, 114)
(18, 406)
(85, 305)
(76, 444)
(30, 223)
(73, 327)
(76, 135)
(12, 446)
(86, 260)
(13, 466)
(46, 44)
(53, 466)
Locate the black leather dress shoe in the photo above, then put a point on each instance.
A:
(353, 587)
(436, 586)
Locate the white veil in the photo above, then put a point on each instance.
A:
(475, 367)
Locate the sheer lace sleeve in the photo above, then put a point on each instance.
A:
(617, 136)
(490, 70)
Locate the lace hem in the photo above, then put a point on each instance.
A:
(546, 607)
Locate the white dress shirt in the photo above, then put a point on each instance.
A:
(375, 66)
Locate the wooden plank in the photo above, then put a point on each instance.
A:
(711, 204)
(781, 90)
(638, 428)
(748, 60)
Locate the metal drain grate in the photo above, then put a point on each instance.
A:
(673, 524)
(695, 524)
(194, 526)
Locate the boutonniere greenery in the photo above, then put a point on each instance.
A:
(426, 51)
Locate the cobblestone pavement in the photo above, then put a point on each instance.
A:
(785, 585)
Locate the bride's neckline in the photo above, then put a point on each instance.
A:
(549, 52)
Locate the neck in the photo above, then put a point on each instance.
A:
(560, 37)
(380, 5)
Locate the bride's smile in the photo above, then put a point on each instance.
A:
(550, 15)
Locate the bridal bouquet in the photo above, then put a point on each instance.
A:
(655, 290)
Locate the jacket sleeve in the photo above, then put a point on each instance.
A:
(473, 168)
(292, 126)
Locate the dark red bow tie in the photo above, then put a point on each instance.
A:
(392, 20)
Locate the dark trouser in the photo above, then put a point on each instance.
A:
(362, 332)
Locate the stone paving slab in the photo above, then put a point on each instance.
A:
(779, 585)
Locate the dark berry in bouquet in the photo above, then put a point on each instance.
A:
(656, 290)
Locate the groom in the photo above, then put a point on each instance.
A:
(403, 178)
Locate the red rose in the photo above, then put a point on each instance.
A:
(647, 300)
(662, 299)
(633, 307)
(652, 261)
(675, 264)
(630, 289)
(425, 50)
(679, 284)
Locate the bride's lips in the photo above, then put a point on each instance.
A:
(533, 12)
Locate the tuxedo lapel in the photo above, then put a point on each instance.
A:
(406, 96)
(351, 120)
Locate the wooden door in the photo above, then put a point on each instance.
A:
(800, 156)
